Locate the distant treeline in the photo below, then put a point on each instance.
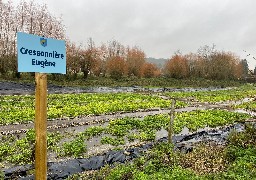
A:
(111, 59)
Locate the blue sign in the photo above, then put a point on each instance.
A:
(40, 54)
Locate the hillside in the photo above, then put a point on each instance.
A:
(159, 62)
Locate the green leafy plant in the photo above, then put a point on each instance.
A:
(112, 141)
(206, 161)
(53, 139)
(1, 174)
(21, 108)
(92, 131)
(218, 95)
(74, 148)
(22, 150)
(251, 106)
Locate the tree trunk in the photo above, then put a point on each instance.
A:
(86, 72)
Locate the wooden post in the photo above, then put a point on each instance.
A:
(170, 129)
(41, 126)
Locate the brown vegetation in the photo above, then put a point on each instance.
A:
(111, 59)
(207, 63)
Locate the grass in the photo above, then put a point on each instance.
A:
(91, 81)
(150, 82)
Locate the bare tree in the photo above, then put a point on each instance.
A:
(89, 58)
(27, 17)
(7, 37)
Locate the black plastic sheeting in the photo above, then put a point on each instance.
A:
(61, 170)
(184, 143)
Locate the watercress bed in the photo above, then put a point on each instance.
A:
(20, 150)
(217, 96)
(21, 108)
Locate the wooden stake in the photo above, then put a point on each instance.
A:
(170, 129)
(41, 126)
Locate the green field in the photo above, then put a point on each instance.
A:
(232, 161)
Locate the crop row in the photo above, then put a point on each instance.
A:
(251, 106)
(21, 108)
(217, 96)
(21, 150)
(145, 129)
(236, 160)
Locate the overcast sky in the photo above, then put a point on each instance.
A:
(161, 27)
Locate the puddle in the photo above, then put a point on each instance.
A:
(164, 133)
(185, 130)
(160, 134)
(252, 113)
